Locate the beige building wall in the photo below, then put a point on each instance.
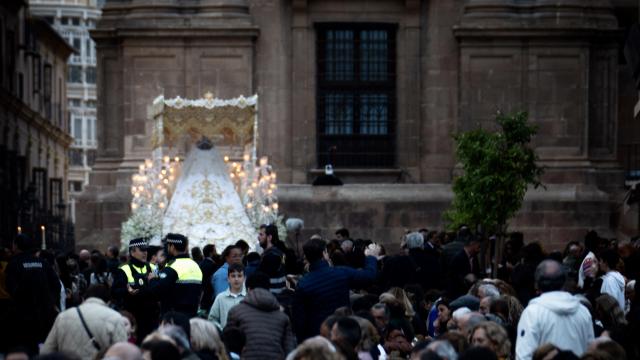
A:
(33, 119)
(73, 19)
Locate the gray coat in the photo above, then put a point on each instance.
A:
(266, 328)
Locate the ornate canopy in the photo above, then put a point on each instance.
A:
(232, 124)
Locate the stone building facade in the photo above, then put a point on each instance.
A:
(376, 88)
(35, 131)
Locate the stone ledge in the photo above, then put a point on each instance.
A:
(390, 175)
(382, 212)
(426, 192)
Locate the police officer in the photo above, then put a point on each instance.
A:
(34, 289)
(128, 280)
(179, 285)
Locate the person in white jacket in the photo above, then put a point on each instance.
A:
(555, 317)
(69, 334)
(612, 281)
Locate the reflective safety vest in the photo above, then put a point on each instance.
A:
(137, 275)
(188, 271)
(185, 296)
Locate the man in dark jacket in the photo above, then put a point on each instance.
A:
(208, 266)
(34, 288)
(464, 268)
(266, 328)
(452, 248)
(325, 288)
(416, 267)
(273, 258)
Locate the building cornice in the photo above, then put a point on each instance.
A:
(557, 33)
(112, 33)
(52, 37)
(173, 18)
(34, 119)
(539, 19)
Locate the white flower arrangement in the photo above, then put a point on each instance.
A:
(151, 189)
(145, 222)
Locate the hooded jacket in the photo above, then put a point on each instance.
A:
(266, 328)
(555, 317)
(613, 284)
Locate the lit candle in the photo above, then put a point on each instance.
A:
(19, 229)
(44, 244)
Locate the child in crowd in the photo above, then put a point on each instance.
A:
(230, 297)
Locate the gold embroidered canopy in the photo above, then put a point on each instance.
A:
(229, 123)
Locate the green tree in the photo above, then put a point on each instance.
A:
(497, 169)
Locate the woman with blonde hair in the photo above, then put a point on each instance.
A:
(402, 297)
(508, 308)
(205, 340)
(492, 336)
(397, 314)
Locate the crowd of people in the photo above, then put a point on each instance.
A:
(341, 298)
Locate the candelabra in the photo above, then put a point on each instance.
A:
(153, 184)
(151, 190)
(256, 185)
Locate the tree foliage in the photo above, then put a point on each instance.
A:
(498, 167)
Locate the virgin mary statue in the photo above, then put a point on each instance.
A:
(205, 206)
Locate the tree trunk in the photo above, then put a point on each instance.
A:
(499, 247)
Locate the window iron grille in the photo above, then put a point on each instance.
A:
(356, 95)
(39, 180)
(56, 200)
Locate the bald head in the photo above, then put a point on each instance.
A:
(123, 351)
(550, 276)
